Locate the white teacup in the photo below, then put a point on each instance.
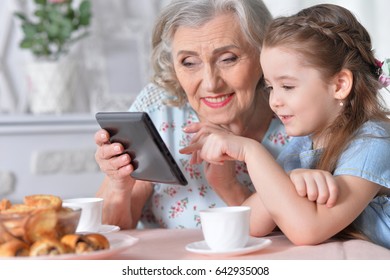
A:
(91, 212)
(226, 228)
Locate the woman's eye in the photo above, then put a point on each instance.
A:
(189, 62)
(227, 59)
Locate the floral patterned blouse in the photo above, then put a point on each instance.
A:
(176, 206)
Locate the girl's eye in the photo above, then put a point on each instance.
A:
(268, 89)
(288, 87)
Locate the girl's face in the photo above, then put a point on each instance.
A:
(218, 69)
(304, 102)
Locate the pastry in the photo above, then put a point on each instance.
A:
(14, 248)
(47, 247)
(98, 241)
(81, 243)
(4, 204)
(17, 209)
(42, 224)
(43, 201)
(77, 243)
(5, 235)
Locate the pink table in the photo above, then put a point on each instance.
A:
(169, 244)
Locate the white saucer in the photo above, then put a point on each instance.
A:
(254, 244)
(108, 228)
(105, 229)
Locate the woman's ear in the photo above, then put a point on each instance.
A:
(343, 82)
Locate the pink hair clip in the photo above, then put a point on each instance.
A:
(383, 72)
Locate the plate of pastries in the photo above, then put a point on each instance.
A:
(42, 228)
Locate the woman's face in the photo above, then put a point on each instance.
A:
(218, 69)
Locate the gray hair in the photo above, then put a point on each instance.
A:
(252, 15)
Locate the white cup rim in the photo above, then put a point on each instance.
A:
(83, 200)
(226, 209)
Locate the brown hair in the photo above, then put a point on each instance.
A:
(331, 39)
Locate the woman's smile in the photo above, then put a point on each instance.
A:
(217, 101)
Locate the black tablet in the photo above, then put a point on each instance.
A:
(150, 156)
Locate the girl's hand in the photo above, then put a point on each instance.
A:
(212, 143)
(221, 175)
(200, 132)
(317, 185)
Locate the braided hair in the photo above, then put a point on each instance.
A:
(330, 38)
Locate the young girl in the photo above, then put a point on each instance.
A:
(322, 78)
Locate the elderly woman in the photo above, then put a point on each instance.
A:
(207, 73)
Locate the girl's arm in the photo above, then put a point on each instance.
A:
(303, 221)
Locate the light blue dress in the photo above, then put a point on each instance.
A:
(368, 157)
(173, 206)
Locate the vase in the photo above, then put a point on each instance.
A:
(50, 87)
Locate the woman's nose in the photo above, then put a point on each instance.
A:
(211, 79)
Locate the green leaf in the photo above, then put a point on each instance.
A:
(55, 16)
(40, 27)
(66, 31)
(67, 23)
(41, 14)
(85, 7)
(70, 14)
(26, 43)
(29, 30)
(20, 16)
(52, 30)
(40, 2)
(85, 20)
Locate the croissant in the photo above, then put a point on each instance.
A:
(77, 242)
(14, 248)
(98, 241)
(80, 243)
(48, 246)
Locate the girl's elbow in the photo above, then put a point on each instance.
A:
(261, 231)
(305, 238)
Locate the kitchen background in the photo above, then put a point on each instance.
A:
(46, 148)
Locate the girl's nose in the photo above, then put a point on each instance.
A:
(275, 99)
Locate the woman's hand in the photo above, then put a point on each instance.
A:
(124, 197)
(317, 185)
(111, 159)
